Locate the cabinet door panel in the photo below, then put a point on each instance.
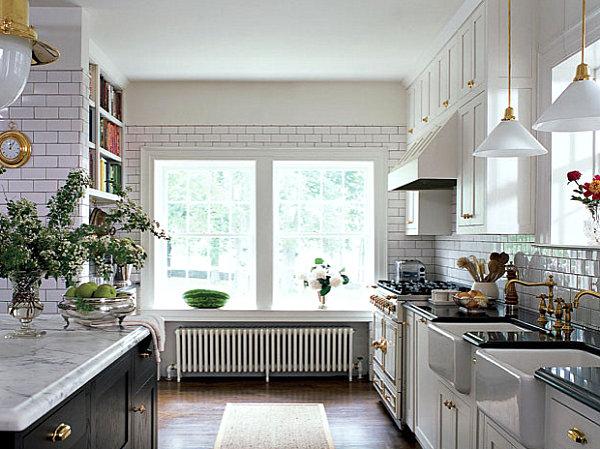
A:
(378, 333)
(443, 89)
(409, 357)
(479, 163)
(411, 112)
(465, 42)
(111, 404)
(426, 391)
(479, 40)
(393, 347)
(447, 420)
(412, 221)
(562, 418)
(466, 169)
(145, 424)
(426, 97)
(494, 439)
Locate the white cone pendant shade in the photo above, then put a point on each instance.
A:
(510, 139)
(576, 109)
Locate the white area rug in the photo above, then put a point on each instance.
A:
(274, 426)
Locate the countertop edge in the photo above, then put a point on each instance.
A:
(30, 410)
(579, 394)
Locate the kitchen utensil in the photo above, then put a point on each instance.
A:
(464, 262)
(496, 271)
(495, 256)
(504, 258)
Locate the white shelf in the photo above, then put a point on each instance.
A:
(98, 196)
(108, 155)
(111, 118)
(92, 145)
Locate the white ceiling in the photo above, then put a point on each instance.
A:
(265, 39)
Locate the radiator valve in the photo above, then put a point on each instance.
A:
(170, 369)
(358, 366)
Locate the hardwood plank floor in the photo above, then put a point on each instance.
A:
(189, 413)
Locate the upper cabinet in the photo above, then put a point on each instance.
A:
(469, 75)
(472, 43)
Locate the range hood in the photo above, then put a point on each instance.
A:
(431, 163)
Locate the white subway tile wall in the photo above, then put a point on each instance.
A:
(293, 137)
(53, 113)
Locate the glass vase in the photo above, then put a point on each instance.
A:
(322, 304)
(26, 305)
(591, 229)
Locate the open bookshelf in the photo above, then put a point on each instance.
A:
(106, 134)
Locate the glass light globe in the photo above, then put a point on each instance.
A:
(15, 62)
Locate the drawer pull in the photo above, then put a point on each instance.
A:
(141, 409)
(145, 355)
(577, 435)
(61, 433)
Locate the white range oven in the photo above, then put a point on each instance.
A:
(387, 337)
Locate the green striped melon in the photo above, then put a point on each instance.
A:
(205, 299)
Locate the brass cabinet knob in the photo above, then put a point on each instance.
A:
(141, 409)
(409, 222)
(577, 435)
(449, 404)
(61, 433)
(410, 131)
(145, 355)
(471, 84)
(423, 320)
(425, 119)
(446, 403)
(474, 360)
(446, 103)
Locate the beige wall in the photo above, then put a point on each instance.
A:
(266, 103)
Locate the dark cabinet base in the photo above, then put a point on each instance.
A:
(106, 413)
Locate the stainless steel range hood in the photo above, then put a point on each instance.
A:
(431, 163)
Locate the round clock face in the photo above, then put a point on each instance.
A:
(10, 149)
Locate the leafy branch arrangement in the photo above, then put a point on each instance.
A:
(322, 277)
(59, 248)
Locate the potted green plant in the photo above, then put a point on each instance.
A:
(56, 247)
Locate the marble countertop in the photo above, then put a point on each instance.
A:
(38, 374)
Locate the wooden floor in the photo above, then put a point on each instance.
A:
(190, 412)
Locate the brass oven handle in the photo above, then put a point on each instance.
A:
(61, 433)
(577, 435)
(141, 409)
(145, 355)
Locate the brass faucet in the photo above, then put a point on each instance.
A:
(544, 308)
(569, 307)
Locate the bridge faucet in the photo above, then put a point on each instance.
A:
(544, 308)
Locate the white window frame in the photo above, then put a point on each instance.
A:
(264, 159)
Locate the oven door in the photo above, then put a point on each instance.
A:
(394, 350)
(378, 345)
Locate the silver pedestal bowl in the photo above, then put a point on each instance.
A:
(94, 310)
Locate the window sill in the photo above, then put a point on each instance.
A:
(294, 315)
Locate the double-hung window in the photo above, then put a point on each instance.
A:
(249, 222)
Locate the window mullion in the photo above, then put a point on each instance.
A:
(264, 233)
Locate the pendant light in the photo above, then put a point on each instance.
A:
(578, 107)
(19, 49)
(509, 138)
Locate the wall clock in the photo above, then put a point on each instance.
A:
(15, 148)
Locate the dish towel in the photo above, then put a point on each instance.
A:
(154, 324)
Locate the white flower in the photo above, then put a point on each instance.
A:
(315, 284)
(336, 281)
(302, 277)
(320, 273)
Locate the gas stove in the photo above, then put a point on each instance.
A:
(388, 295)
(415, 288)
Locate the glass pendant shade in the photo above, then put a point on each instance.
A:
(510, 139)
(576, 109)
(15, 62)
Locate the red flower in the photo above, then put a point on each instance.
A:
(592, 188)
(573, 176)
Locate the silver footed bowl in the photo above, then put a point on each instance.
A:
(96, 310)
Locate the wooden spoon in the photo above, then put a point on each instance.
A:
(504, 258)
(495, 256)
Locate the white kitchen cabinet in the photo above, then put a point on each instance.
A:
(566, 416)
(411, 113)
(493, 437)
(428, 212)
(455, 423)
(426, 426)
(471, 43)
(471, 182)
(409, 372)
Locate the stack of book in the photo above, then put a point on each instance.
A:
(110, 137)
(109, 172)
(110, 98)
